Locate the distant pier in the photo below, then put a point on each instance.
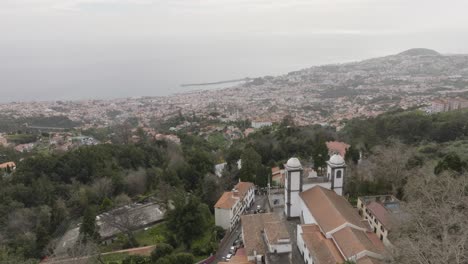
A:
(215, 83)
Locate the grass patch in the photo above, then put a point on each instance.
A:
(21, 138)
(148, 237)
(114, 258)
(152, 236)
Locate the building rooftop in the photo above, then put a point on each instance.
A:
(9, 164)
(276, 232)
(329, 209)
(243, 188)
(254, 225)
(293, 163)
(380, 212)
(368, 260)
(336, 160)
(324, 250)
(352, 241)
(226, 201)
(229, 199)
(337, 147)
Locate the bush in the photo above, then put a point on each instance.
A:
(161, 251)
(183, 258)
(135, 259)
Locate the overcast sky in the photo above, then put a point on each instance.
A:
(71, 49)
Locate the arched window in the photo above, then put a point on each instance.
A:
(338, 174)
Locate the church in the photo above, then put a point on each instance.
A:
(296, 182)
(330, 229)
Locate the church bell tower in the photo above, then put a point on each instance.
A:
(336, 168)
(293, 187)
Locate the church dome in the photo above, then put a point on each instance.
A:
(336, 160)
(294, 163)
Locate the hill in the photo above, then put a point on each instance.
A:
(419, 52)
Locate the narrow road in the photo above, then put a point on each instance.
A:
(223, 249)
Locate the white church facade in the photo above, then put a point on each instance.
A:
(331, 230)
(296, 182)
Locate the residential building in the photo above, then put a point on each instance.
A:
(378, 211)
(277, 177)
(219, 168)
(448, 104)
(231, 205)
(332, 231)
(24, 147)
(7, 168)
(336, 147)
(260, 124)
(263, 235)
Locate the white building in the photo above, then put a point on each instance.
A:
(219, 168)
(296, 182)
(258, 125)
(332, 231)
(379, 212)
(231, 205)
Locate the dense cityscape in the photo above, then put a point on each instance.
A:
(327, 95)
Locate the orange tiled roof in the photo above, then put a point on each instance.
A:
(276, 231)
(323, 249)
(379, 211)
(252, 227)
(368, 260)
(339, 147)
(352, 241)
(243, 188)
(10, 164)
(226, 201)
(329, 209)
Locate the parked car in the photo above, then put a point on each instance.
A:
(228, 257)
(232, 250)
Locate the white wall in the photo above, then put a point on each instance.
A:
(295, 204)
(307, 256)
(326, 185)
(223, 218)
(339, 181)
(280, 248)
(306, 215)
(295, 180)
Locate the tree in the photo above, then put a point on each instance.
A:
(183, 258)
(106, 204)
(390, 164)
(188, 219)
(451, 162)
(103, 187)
(160, 251)
(320, 155)
(84, 251)
(88, 227)
(433, 225)
(136, 259)
(352, 155)
(126, 220)
(136, 182)
(251, 162)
